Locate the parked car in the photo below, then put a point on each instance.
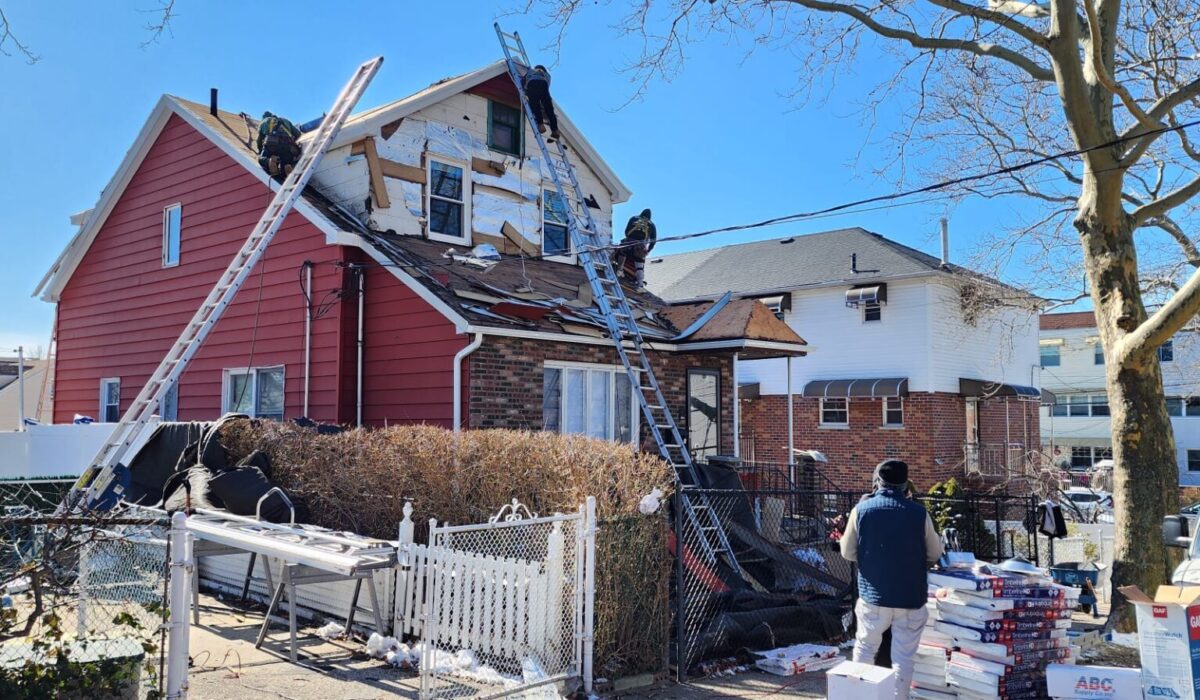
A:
(1191, 509)
(1088, 505)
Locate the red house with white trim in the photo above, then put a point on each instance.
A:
(369, 307)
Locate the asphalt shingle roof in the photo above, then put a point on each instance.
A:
(781, 263)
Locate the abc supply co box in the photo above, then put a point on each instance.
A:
(1071, 682)
(854, 681)
(1168, 641)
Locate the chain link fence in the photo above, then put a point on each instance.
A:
(783, 582)
(83, 600)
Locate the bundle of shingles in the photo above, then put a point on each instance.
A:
(993, 633)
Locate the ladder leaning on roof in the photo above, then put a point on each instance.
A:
(92, 490)
(621, 321)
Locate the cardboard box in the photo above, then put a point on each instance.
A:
(854, 681)
(1168, 640)
(1109, 683)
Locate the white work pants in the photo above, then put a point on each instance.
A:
(906, 625)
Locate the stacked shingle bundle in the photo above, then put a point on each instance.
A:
(929, 665)
(1005, 629)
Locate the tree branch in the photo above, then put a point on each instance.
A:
(7, 37)
(1005, 20)
(1101, 70)
(1163, 324)
(1033, 68)
(1174, 231)
(1166, 203)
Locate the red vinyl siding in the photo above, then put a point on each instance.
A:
(121, 310)
(408, 356)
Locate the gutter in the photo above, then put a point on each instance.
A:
(458, 365)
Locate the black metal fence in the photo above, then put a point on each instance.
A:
(772, 573)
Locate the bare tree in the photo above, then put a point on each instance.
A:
(1012, 81)
(163, 14)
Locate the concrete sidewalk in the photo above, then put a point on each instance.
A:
(226, 666)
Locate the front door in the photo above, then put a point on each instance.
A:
(971, 447)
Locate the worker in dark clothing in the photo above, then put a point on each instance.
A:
(630, 258)
(277, 147)
(894, 542)
(537, 89)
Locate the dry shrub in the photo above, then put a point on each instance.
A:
(359, 480)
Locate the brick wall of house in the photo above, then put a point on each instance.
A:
(931, 440)
(505, 381)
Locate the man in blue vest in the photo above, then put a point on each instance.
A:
(894, 542)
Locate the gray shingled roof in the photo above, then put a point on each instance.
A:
(780, 263)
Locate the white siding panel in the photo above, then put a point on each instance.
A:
(1001, 347)
(849, 348)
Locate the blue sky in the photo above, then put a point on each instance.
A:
(721, 144)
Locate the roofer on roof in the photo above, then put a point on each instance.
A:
(277, 147)
(893, 540)
(635, 247)
(537, 89)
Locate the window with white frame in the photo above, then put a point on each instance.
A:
(835, 412)
(1178, 406)
(1080, 405)
(447, 202)
(1193, 460)
(594, 400)
(168, 405)
(872, 311)
(893, 411)
(110, 400)
(172, 224)
(1098, 353)
(555, 237)
(255, 391)
(1050, 356)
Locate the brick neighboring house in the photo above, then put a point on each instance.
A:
(381, 241)
(897, 369)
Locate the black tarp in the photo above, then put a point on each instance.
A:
(754, 621)
(159, 458)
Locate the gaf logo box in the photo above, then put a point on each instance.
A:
(1067, 681)
(1168, 640)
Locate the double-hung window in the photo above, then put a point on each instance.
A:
(1050, 356)
(110, 400)
(448, 202)
(1098, 356)
(555, 240)
(872, 311)
(835, 412)
(255, 391)
(1193, 460)
(504, 128)
(893, 412)
(1166, 351)
(171, 227)
(594, 400)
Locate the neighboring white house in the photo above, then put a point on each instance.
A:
(35, 393)
(934, 384)
(1078, 427)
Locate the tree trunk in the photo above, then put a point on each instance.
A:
(1145, 475)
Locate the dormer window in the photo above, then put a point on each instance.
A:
(555, 237)
(504, 128)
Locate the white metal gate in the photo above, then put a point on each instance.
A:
(505, 607)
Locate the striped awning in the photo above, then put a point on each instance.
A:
(986, 389)
(856, 388)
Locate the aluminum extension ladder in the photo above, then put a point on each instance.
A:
(97, 478)
(620, 318)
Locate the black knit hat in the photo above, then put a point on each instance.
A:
(892, 472)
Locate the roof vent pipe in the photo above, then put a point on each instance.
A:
(212, 101)
(945, 242)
